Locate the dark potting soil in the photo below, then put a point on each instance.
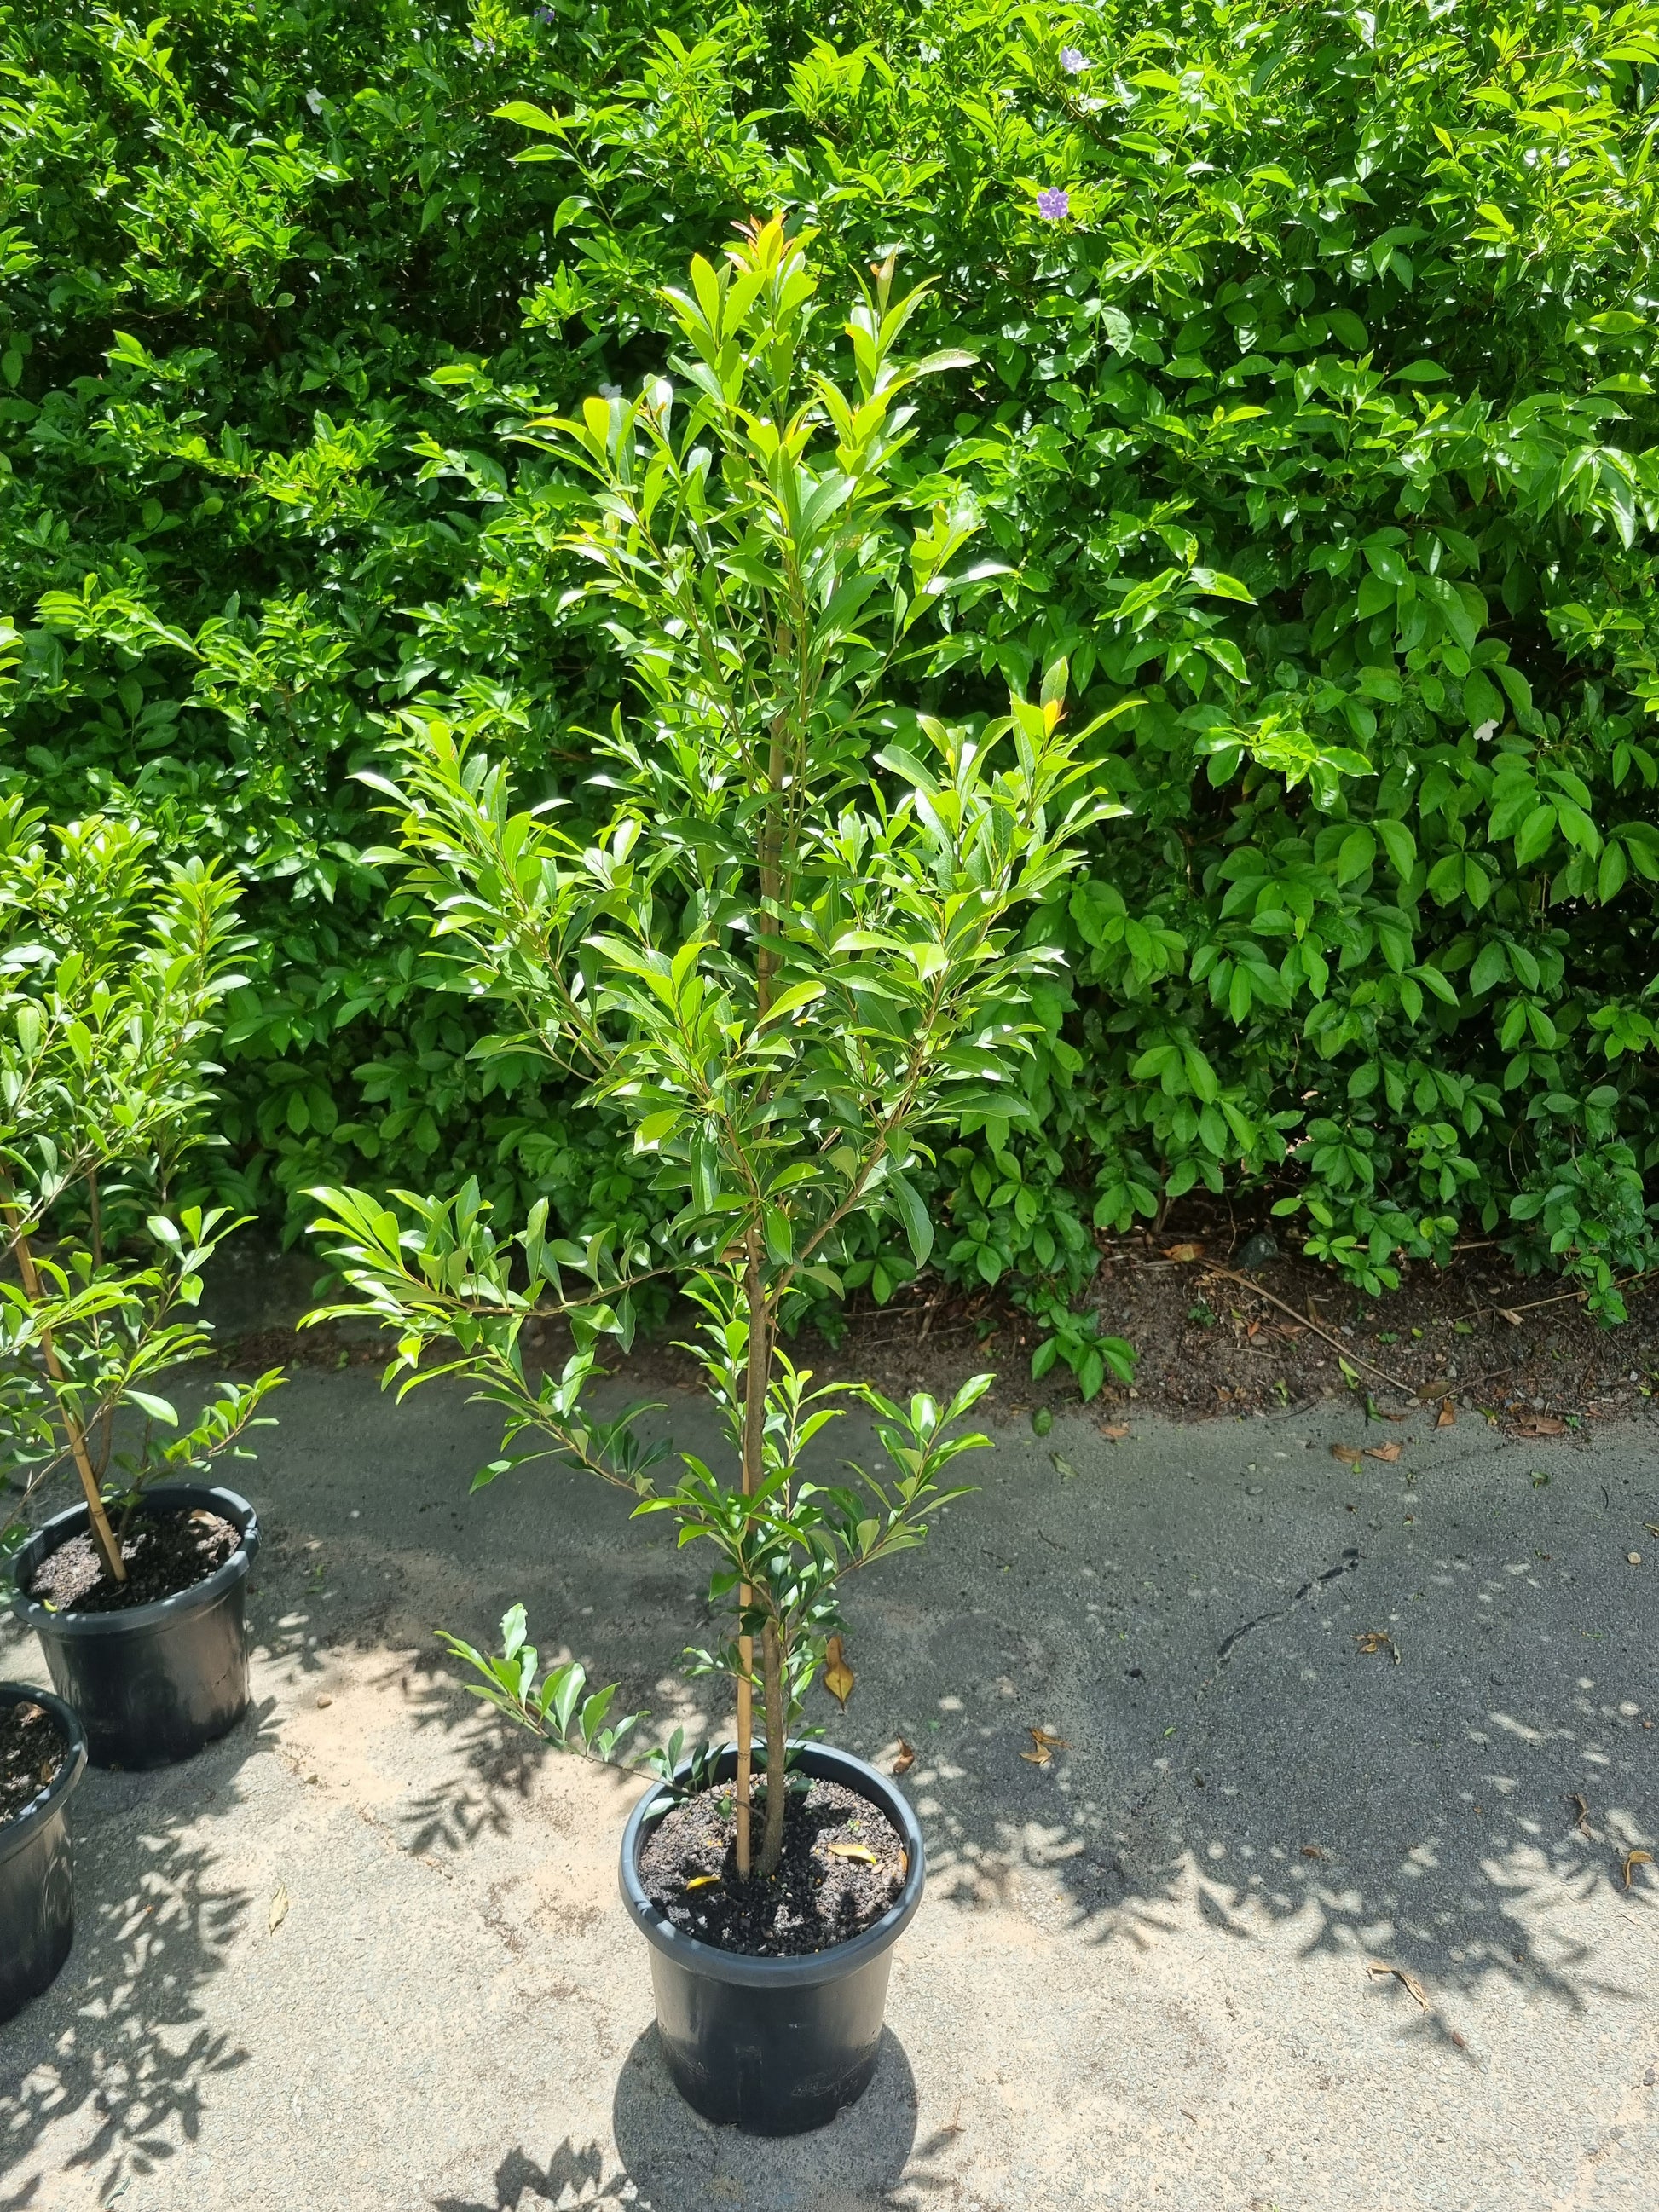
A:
(31, 1754)
(164, 1553)
(843, 1865)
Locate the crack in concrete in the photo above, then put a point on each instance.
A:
(1350, 1560)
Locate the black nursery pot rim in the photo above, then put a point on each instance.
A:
(746, 1969)
(181, 1497)
(16, 1833)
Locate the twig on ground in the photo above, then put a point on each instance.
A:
(1560, 1297)
(1358, 1358)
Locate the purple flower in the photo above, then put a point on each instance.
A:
(1072, 62)
(1054, 205)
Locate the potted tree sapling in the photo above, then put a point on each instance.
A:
(794, 951)
(111, 971)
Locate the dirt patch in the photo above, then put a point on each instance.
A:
(1515, 1347)
(32, 1754)
(843, 1865)
(164, 1553)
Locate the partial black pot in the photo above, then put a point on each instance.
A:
(157, 1682)
(37, 1874)
(774, 2046)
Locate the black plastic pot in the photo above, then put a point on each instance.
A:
(37, 1876)
(774, 2046)
(153, 1684)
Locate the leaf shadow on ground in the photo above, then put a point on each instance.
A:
(117, 2059)
(672, 2162)
(1385, 1750)
(1231, 1748)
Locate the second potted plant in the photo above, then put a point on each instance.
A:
(110, 973)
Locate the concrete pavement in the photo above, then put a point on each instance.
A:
(368, 1954)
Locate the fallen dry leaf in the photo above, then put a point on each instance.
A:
(1582, 1821)
(1375, 1639)
(1350, 1455)
(1634, 1559)
(838, 1676)
(860, 1851)
(1461, 2041)
(905, 1758)
(1039, 1757)
(1389, 1452)
(1046, 1740)
(279, 1907)
(1652, 1527)
(1447, 1417)
(1406, 1981)
(1113, 1432)
(1633, 1859)
(1063, 1467)
(1513, 1319)
(702, 1881)
(1313, 1851)
(1184, 1252)
(1542, 1425)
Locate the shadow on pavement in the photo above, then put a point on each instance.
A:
(676, 2162)
(118, 2049)
(1427, 1757)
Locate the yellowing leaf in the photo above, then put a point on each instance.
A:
(702, 1881)
(858, 1851)
(1633, 1859)
(838, 1677)
(1184, 1252)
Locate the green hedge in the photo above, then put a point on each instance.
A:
(1315, 414)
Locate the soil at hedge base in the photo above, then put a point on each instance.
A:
(164, 1553)
(843, 1865)
(31, 1754)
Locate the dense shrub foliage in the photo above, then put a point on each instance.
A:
(1311, 410)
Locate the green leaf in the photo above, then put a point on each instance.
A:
(533, 117)
(158, 1409)
(1532, 840)
(912, 1212)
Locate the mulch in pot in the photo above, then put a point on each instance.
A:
(32, 1753)
(164, 1553)
(843, 1865)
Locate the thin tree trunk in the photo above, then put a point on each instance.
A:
(102, 1535)
(754, 1452)
(777, 1751)
(760, 1347)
